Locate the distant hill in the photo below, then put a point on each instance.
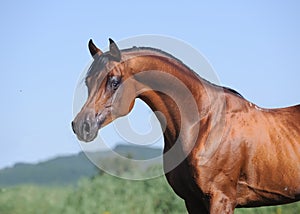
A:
(57, 171)
(138, 152)
(67, 170)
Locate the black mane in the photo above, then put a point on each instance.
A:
(232, 91)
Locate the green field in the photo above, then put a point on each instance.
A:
(105, 194)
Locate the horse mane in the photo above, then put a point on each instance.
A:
(232, 91)
(101, 60)
(227, 89)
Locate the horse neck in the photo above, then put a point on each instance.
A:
(169, 87)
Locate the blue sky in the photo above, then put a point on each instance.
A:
(253, 47)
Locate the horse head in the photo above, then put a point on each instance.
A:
(111, 92)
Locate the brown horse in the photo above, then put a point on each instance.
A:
(221, 151)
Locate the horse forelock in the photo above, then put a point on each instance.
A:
(98, 64)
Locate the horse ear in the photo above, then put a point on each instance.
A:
(93, 49)
(114, 51)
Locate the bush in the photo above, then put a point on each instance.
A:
(107, 194)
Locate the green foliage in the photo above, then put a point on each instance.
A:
(105, 194)
(102, 194)
(32, 199)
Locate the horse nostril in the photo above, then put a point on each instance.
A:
(73, 126)
(86, 127)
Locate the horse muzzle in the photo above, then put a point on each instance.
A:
(86, 126)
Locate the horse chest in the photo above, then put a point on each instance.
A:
(182, 182)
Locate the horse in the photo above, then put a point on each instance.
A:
(221, 151)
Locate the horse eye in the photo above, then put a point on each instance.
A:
(114, 83)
